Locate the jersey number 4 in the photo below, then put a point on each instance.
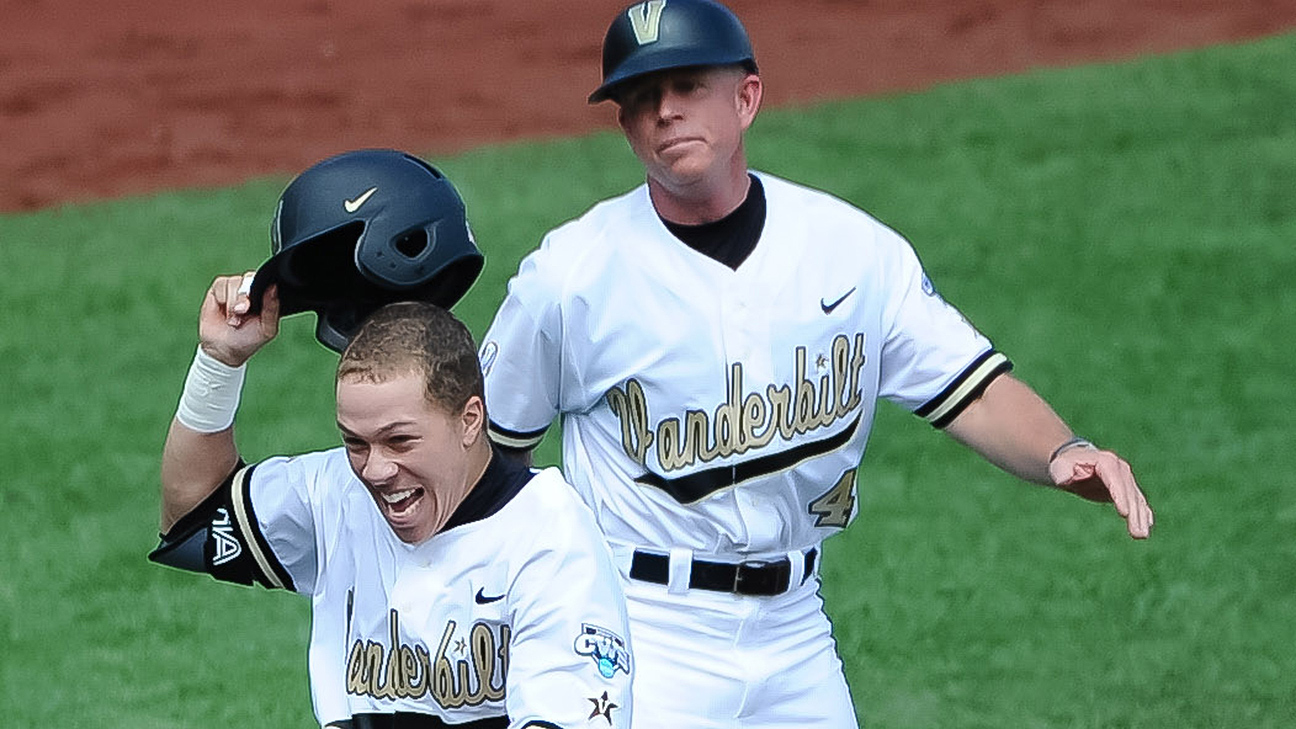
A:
(834, 507)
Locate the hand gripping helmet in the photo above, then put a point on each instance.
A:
(364, 229)
(659, 34)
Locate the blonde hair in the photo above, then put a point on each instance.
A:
(414, 337)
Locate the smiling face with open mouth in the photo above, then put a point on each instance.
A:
(417, 461)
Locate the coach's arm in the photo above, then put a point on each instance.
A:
(200, 453)
(1013, 428)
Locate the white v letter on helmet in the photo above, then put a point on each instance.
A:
(363, 229)
(656, 35)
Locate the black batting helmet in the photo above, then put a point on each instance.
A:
(364, 229)
(659, 34)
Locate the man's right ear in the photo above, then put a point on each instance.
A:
(748, 98)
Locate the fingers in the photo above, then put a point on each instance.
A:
(1100, 475)
(238, 288)
(1141, 518)
(270, 312)
(242, 302)
(1128, 498)
(227, 301)
(230, 295)
(226, 328)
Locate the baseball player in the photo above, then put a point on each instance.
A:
(715, 342)
(450, 586)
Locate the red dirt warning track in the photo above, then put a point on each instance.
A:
(127, 96)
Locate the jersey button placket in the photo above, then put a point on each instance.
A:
(739, 331)
(742, 331)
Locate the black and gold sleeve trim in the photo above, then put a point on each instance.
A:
(516, 439)
(941, 410)
(272, 573)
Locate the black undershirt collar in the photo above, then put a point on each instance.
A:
(732, 238)
(503, 478)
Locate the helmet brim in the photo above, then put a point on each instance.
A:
(324, 277)
(664, 61)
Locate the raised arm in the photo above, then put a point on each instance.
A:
(200, 453)
(1013, 428)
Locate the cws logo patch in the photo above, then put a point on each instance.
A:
(645, 20)
(606, 648)
(225, 546)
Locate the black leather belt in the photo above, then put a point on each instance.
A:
(743, 578)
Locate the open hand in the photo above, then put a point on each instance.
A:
(1100, 475)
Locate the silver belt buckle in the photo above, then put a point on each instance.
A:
(738, 573)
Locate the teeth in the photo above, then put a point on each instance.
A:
(398, 496)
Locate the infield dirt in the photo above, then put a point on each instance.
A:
(125, 96)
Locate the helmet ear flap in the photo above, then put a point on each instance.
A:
(436, 261)
(334, 329)
(454, 279)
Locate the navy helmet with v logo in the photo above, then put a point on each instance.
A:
(656, 35)
(363, 229)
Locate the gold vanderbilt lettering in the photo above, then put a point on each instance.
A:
(478, 678)
(506, 637)
(444, 691)
(400, 671)
(482, 641)
(744, 422)
(631, 408)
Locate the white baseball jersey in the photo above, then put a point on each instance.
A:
(511, 616)
(718, 410)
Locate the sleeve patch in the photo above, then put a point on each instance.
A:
(607, 649)
(225, 545)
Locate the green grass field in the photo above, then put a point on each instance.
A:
(1125, 232)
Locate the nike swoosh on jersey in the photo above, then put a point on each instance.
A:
(828, 308)
(481, 599)
(354, 205)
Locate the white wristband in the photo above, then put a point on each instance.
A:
(211, 394)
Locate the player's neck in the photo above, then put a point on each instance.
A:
(702, 201)
(478, 460)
